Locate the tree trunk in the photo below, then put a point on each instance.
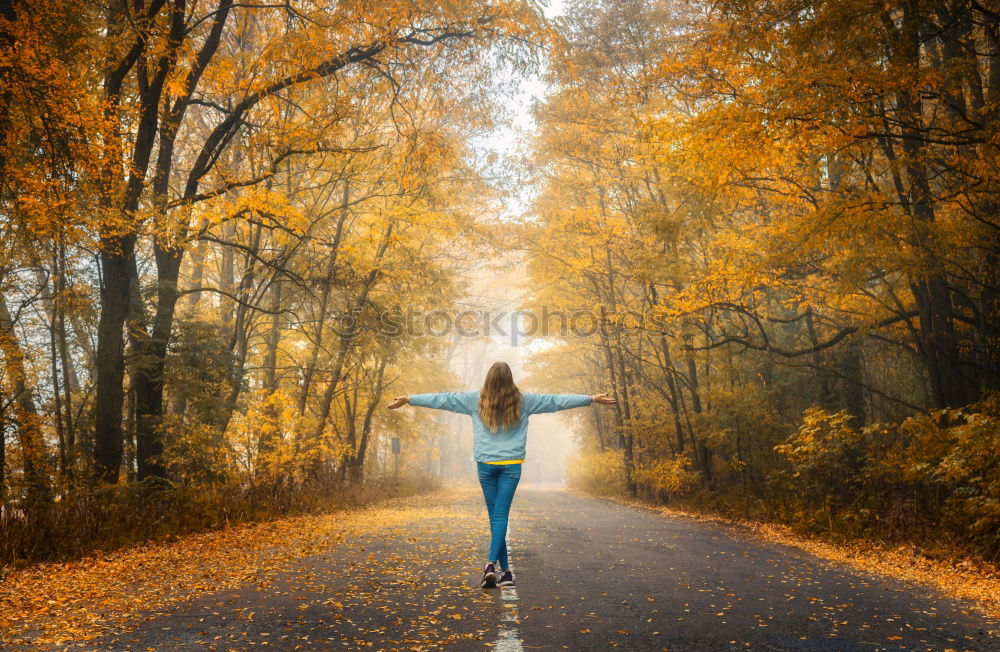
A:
(939, 342)
(366, 426)
(853, 391)
(351, 423)
(704, 453)
(273, 339)
(26, 417)
(349, 333)
(626, 431)
(238, 342)
(72, 383)
(227, 278)
(268, 438)
(674, 394)
(3, 450)
(328, 281)
(48, 293)
(825, 395)
(617, 393)
(116, 266)
(150, 371)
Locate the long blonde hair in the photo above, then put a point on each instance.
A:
(500, 399)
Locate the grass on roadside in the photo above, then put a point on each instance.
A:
(86, 522)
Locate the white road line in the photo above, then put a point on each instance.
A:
(509, 635)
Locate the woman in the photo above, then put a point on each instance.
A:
(499, 414)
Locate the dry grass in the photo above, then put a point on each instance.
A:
(84, 522)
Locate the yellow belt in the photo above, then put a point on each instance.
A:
(507, 462)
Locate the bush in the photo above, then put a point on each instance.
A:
(954, 455)
(669, 477)
(932, 480)
(600, 473)
(825, 461)
(84, 522)
(935, 477)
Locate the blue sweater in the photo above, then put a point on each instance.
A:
(504, 444)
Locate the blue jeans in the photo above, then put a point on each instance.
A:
(499, 482)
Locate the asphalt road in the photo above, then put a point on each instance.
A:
(591, 575)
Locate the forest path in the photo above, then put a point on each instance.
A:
(591, 575)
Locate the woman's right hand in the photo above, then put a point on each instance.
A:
(603, 399)
(399, 402)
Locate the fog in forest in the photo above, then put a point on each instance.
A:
(443, 449)
(231, 235)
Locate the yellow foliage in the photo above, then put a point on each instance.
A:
(601, 473)
(671, 475)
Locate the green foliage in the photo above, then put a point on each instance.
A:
(201, 370)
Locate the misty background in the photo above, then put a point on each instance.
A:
(496, 286)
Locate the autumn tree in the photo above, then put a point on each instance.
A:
(805, 230)
(170, 58)
(207, 209)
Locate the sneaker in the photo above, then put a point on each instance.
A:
(507, 579)
(490, 577)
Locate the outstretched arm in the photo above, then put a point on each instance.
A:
(540, 403)
(450, 401)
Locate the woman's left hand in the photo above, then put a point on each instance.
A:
(399, 402)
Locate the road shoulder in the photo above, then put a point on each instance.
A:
(977, 583)
(81, 600)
